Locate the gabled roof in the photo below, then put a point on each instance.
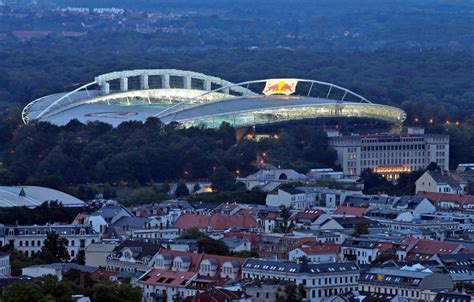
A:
(424, 249)
(437, 198)
(453, 179)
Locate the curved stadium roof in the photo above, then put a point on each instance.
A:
(193, 99)
(32, 196)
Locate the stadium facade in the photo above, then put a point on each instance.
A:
(195, 99)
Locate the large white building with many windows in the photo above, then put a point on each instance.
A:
(391, 155)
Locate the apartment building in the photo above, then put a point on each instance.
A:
(390, 155)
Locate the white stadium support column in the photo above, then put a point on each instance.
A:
(123, 84)
(144, 81)
(187, 82)
(105, 88)
(207, 85)
(165, 81)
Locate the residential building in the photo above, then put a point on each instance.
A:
(412, 283)
(133, 256)
(319, 253)
(288, 197)
(5, 268)
(450, 202)
(97, 253)
(321, 280)
(441, 182)
(182, 274)
(30, 239)
(390, 155)
(216, 222)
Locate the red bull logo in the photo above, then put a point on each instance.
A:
(280, 86)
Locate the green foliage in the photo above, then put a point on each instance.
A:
(181, 189)
(360, 228)
(48, 289)
(205, 243)
(222, 180)
(108, 291)
(48, 212)
(286, 226)
(193, 233)
(54, 249)
(245, 254)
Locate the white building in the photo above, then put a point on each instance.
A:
(442, 182)
(30, 239)
(410, 283)
(5, 268)
(97, 253)
(288, 197)
(321, 281)
(390, 155)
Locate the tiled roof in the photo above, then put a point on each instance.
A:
(351, 211)
(423, 249)
(437, 198)
(216, 221)
(321, 249)
(453, 179)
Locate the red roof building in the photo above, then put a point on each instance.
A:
(424, 249)
(446, 201)
(216, 222)
(350, 211)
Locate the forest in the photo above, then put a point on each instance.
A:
(373, 51)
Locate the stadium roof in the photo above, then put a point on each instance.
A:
(31, 196)
(195, 99)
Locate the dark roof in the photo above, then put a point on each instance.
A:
(297, 268)
(409, 202)
(452, 297)
(131, 222)
(143, 248)
(292, 190)
(453, 179)
(350, 222)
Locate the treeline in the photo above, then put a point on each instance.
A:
(137, 153)
(48, 212)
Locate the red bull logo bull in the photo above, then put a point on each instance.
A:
(280, 86)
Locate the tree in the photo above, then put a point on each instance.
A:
(193, 233)
(80, 257)
(360, 228)
(54, 249)
(108, 291)
(196, 188)
(212, 246)
(19, 292)
(286, 226)
(181, 189)
(222, 180)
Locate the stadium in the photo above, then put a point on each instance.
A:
(195, 99)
